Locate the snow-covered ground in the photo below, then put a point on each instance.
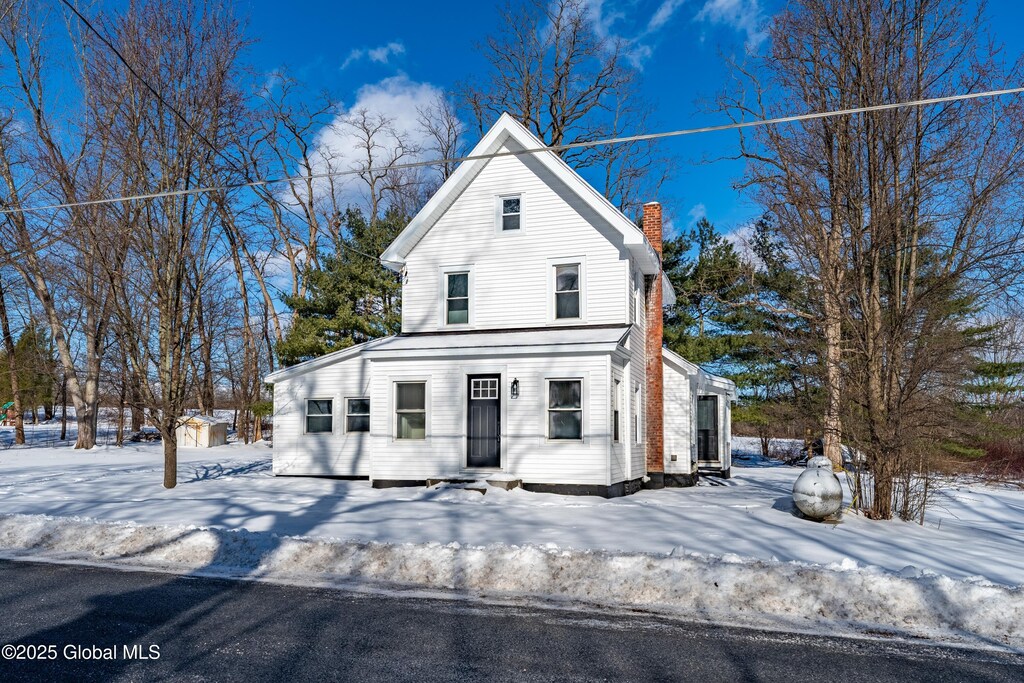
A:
(726, 550)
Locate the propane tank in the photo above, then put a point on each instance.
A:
(818, 492)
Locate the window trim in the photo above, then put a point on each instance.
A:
(499, 213)
(442, 295)
(553, 264)
(548, 410)
(349, 413)
(306, 416)
(395, 411)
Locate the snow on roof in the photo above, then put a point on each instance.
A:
(595, 338)
(510, 134)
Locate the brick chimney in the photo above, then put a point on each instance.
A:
(655, 379)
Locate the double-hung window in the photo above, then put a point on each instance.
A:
(357, 415)
(565, 409)
(567, 291)
(319, 416)
(511, 212)
(411, 410)
(457, 298)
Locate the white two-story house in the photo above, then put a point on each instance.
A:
(530, 346)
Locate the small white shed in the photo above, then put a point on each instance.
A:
(201, 431)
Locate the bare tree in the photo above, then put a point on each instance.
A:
(191, 48)
(440, 121)
(61, 159)
(567, 83)
(905, 221)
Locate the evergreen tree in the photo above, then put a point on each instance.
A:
(351, 298)
(36, 368)
(704, 325)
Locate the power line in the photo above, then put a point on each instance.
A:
(150, 88)
(737, 125)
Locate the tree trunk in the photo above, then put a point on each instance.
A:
(832, 423)
(64, 408)
(86, 430)
(119, 442)
(138, 414)
(170, 453)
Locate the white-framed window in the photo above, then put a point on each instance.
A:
(411, 410)
(565, 409)
(357, 414)
(509, 213)
(616, 401)
(568, 284)
(456, 298)
(319, 416)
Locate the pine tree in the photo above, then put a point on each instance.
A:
(704, 324)
(351, 298)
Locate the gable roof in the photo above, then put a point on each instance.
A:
(510, 134)
(705, 379)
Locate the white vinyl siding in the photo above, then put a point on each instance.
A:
(526, 452)
(339, 453)
(678, 421)
(636, 376)
(510, 283)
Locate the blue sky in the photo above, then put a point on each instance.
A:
(392, 53)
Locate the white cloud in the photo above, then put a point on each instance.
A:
(380, 55)
(396, 99)
(610, 20)
(664, 13)
(741, 241)
(697, 212)
(745, 16)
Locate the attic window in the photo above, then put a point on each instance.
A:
(511, 212)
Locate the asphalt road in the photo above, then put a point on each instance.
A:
(212, 629)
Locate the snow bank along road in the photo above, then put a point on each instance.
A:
(732, 552)
(210, 629)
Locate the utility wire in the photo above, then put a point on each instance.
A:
(535, 150)
(150, 88)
